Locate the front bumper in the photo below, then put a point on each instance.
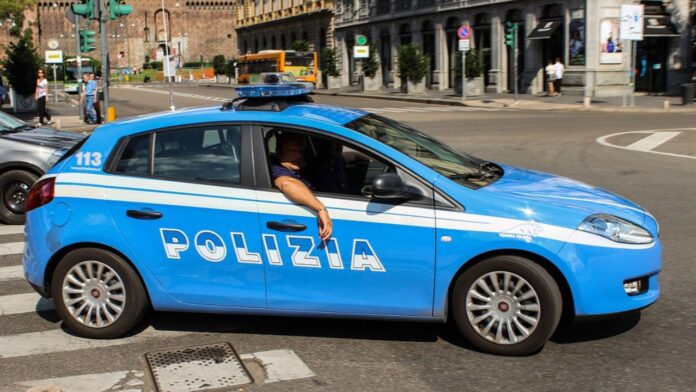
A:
(597, 276)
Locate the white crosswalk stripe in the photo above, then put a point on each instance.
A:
(279, 365)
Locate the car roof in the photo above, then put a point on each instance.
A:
(295, 113)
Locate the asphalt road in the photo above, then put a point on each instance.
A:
(650, 351)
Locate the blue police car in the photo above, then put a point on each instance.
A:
(178, 211)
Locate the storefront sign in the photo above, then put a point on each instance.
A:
(610, 50)
(632, 22)
(361, 52)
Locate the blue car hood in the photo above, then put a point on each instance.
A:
(549, 192)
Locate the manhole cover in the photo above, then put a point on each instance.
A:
(198, 368)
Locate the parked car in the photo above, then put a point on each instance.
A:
(178, 212)
(26, 153)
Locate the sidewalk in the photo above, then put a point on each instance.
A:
(64, 115)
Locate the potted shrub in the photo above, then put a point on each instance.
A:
(412, 67)
(21, 65)
(218, 65)
(328, 65)
(371, 77)
(474, 74)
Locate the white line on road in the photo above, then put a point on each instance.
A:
(14, 229)
(11, 248)
(653, 141)
(24, 303)
(603, 141)
(57, 340)
(11, 273)
(280, 365)
(86, 382)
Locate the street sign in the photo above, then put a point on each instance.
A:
(54, 56)
(631, 27)
(464, 44)
(361, 40)
(361, 52)
(464, 32)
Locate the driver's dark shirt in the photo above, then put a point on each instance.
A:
(281, 171)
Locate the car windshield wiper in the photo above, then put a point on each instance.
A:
(468, 176)
(22, 127)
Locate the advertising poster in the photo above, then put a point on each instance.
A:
(610, 42)
(577, 38)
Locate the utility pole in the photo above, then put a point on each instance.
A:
(103, 18)
(78, 55)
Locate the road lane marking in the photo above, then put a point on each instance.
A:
(280, 365)
(11, 248)
(24, 303)
(653, 141)
(11, 273)
(85, 382)
(13, 229)
(603, 141)
(33, 343)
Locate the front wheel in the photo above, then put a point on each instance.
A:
(507, 305)
(98, 294)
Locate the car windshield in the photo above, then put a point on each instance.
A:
(8, 122)
(434, 154)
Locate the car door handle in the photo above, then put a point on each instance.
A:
(144, 214)
(285, 226)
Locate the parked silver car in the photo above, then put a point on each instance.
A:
(26, 153)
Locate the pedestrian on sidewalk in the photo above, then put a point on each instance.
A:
(559, 69)
(90, 91)
(97, 103)
(40, 95)
(551, 76)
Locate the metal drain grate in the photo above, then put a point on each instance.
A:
(198, 368)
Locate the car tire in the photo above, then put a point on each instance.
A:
(110, 288)
(14, 188)
(507, 305)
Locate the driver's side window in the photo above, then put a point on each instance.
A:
(331, 165)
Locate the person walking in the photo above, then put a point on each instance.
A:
(559, 69)
(551, 76)
(90, 92)
(40, 94)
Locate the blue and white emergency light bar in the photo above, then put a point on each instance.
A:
(271, 90)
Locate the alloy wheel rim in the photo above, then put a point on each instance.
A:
(503, 307)
(94, 294)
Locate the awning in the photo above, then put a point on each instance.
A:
(544, 29)
(658, 26)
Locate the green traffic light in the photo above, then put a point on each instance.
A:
(116, 9)
(85, 9)
(87, 40)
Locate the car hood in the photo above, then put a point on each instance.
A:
(45, 137)
(547, 191)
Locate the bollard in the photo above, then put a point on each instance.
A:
(665, 104)
(587, 102)
(110, 113)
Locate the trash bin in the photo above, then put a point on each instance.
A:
(688, 93)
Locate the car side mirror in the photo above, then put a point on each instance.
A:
(390, 186)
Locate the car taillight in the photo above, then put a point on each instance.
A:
(40, 194)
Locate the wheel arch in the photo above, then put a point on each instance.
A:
(55, 259)
(568, 311)
(26, 166)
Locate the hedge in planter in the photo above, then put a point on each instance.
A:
(412, 64)
(474, 66)
(370, 65)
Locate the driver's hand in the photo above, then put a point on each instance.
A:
(325, 224)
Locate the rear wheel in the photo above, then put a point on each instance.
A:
(14, 188)
(507, 305)
(98, 294)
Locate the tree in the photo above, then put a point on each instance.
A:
(300, 46)
(21, 64)
(328, 62)
(474, 67)
(371, 64)
(412, 64)
(229, 68)
(219, 64)
(14, 10)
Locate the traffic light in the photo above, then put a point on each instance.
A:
(117, 9)
(84, 9)
(87, 40)
(511, 34)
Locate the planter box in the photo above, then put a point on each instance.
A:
(333, 82)
(415, 88)
(372, 84)
(474, 86)
(23, 103)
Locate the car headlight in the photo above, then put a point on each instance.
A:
(57, 154)
(616, 229)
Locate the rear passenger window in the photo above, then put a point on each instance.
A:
(134, 159)
(199, 154)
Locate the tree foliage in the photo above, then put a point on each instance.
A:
(328, 62)
(371, 64)
(219, 64)
(412, 64)
(14, 10)
(300, 46)
(474, 66)
(21, 64)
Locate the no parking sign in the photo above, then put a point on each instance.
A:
(464, 32)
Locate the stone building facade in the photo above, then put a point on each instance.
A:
(582, 33)
(195, 29)
(276, 24)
